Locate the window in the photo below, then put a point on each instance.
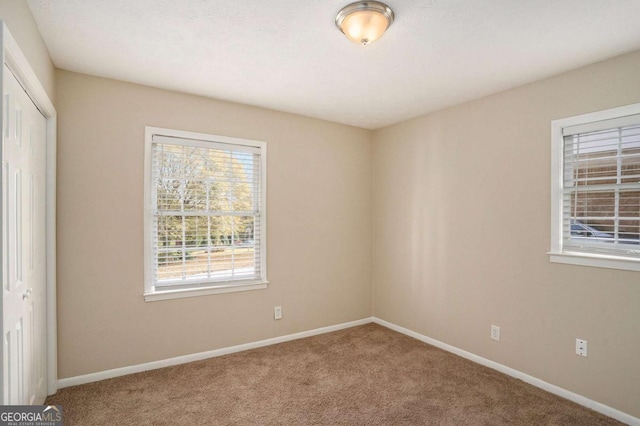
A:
(596, 189)
(205, 223)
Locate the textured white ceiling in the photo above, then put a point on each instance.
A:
(287, 55)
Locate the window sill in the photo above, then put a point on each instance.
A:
(598, 261)
(202, 291)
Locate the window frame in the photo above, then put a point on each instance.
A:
(558, 254)
(155, 293)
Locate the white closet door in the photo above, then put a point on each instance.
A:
(23, 247)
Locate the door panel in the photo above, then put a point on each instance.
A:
(23, 247)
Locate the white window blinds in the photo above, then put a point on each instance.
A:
(601, 187)
(206, 213)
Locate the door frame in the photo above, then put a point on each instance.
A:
(16, 61)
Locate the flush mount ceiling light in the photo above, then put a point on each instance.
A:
(364, 21)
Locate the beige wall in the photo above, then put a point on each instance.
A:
(17, 15)
(462, 227)
(319, 227)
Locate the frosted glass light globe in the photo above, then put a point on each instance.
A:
(364, 22)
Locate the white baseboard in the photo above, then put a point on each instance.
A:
(123, 371)
(556, 390)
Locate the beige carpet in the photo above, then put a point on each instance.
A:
(367, 375)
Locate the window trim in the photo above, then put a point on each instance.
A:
(151, 293)
(558, 254)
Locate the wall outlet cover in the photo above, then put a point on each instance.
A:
(581, 347)
(495, 332)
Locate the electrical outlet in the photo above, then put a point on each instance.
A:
(277, 312)
(495, 332)
(581, 347)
